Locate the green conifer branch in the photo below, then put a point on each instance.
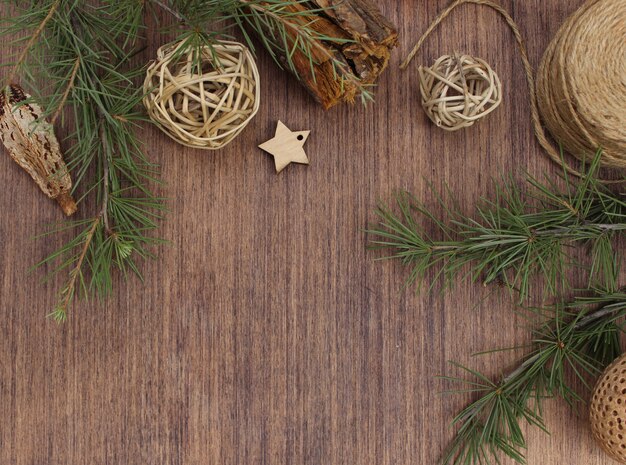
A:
(78, 60)
(574, 340)
(520, 234)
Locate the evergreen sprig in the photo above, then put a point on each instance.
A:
(575, 340)
(519, 234)
(78, 59)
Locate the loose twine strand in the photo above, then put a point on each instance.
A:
(554, 154)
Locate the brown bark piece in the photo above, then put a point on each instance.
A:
(366, 56)
(31, 142)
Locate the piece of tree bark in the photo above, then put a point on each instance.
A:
(31, 142)
(366, 55)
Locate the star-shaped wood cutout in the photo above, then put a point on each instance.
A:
(286, 146)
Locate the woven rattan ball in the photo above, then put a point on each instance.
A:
(608, 410)
(457, 91)
(206, 109)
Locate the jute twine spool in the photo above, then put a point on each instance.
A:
(581, 82)
(459, 90)
(607, 410)
(583, 107)
(204, 110)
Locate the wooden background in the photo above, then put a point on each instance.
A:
(266, 333)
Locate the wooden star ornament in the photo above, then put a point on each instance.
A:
(286, 146)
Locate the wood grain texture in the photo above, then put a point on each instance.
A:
(266, 333)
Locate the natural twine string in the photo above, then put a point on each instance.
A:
(560, 128)
(581, 82)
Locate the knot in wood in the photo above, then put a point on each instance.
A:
(457, 91)
(202, 97)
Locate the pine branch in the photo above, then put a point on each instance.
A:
(66, 94)
(71, 64)
(59, 314)
(104, 212)
(517, 236)
(33, 39)
(581, 337)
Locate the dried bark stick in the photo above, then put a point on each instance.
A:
(32, 144)
(366, 56)
(374, 34)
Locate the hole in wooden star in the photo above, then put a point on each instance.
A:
(300, 137)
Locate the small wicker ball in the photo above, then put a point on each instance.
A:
(458, 90)
(607, 411)
(205, 110)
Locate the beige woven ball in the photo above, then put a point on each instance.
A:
(458, 90)
(607, 411)
(205, 110)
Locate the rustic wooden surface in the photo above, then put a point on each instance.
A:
(266, 333)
